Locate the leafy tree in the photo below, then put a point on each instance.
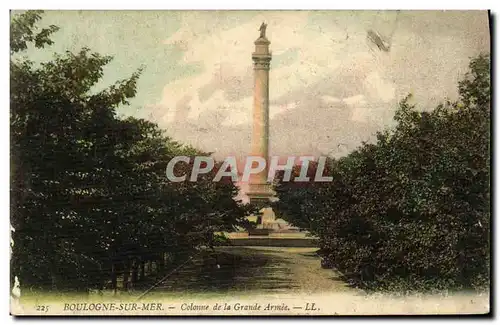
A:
(89, 198)
(411, 211)
(22, 30)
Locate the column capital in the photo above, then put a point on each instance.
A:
(262, 56)
(261, 61)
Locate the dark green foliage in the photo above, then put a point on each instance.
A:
(89, 196)
(412, 211)
(22, 29)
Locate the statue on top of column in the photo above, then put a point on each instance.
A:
(262, 30)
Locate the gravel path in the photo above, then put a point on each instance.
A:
(294, 275)
(255, 269)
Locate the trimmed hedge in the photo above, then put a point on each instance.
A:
(412, 210)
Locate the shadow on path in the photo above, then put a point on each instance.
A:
(235, 269)
(256, 269)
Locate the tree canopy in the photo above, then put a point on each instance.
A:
(89, 197)
(412, 210)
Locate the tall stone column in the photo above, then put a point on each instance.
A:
(259, 189)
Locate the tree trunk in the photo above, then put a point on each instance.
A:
(113, 278)
(126, 273)
(135, 272)
(161, 263)
(53, 281)
(143, 270)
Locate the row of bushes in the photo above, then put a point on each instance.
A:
(410, 211)
(90, 202)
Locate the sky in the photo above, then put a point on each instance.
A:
(330, 87)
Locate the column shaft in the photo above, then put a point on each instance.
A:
(260, 135)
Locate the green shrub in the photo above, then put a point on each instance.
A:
(412, 210)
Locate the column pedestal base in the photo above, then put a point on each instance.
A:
(262, 195)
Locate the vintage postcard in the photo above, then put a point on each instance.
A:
(276, 163)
